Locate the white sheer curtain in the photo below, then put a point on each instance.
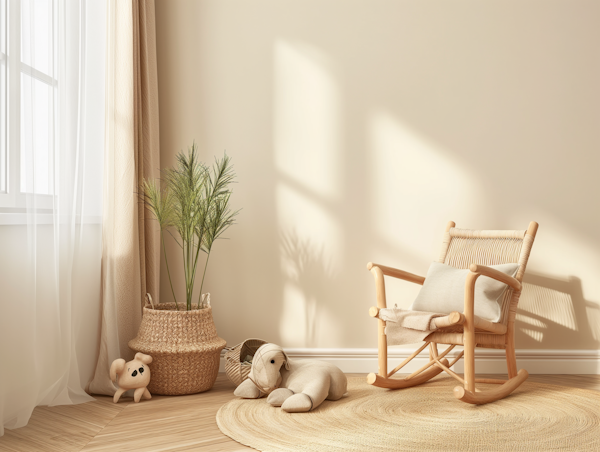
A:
(50, 232)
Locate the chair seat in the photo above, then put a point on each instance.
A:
(460, 329)
(482, 339)
(451, 324)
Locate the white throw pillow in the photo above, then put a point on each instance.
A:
(444, 291)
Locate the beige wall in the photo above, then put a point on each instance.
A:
(359, 128)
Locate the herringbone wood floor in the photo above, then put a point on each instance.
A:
(185, 423)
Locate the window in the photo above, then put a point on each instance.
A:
(3, 100)
(29, 88)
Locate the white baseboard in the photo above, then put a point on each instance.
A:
(489, 361)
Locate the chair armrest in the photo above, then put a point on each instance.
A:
(395, 273)
(497, 275)
(471, 320)
(454, 318)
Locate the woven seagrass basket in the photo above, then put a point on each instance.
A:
(184, 346)
(235, 368)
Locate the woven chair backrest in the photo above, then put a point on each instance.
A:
(463, 247)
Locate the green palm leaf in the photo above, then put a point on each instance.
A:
(193, 200)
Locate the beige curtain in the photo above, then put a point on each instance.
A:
(130, 249)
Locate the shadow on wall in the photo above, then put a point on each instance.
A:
(350, 147)
(554, 313)
(309, 278)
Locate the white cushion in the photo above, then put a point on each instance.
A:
(444, 291)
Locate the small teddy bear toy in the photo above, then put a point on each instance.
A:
(132, 375)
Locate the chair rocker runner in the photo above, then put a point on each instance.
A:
(475, 250)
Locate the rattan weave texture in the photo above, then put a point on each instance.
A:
(536, 417)
(184, 347)
(463, 247)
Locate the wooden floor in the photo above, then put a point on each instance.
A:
(185, 423)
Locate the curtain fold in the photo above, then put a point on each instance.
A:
(130, 253)
(50, 259)
(147, 143)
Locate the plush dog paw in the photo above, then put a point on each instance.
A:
(247, 390)
(277, 397)
(298, 403)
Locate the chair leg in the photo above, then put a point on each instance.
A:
(381, 304)
(469, 363)
(515, 379)
(432, 351)
(382, 349)
(511, 359)
(511, 362)
(469, 334)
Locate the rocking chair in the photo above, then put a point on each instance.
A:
(475, 250)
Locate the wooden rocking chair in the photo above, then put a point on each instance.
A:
(475, 250)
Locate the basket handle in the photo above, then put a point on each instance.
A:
(235, 347)
(241, 344)
(148, 297)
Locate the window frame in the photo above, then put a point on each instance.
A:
(13, 200)
(4, 115)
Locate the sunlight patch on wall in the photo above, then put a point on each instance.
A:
(306, 138)
(561, 249)
(536, 335)
(593, 318)
(547, 304)
(311, 253)
(306, 118)
(532, 327)
(313, 224)
(299, 319)
(305, 319)
(413, 181)
(310, 287)
(303, 261)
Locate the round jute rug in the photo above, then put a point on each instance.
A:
(536, 417)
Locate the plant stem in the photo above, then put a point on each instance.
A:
(198, 248)
(185, 270)
(190, 282)
(203, 275)
(162, 237)
(190, 269)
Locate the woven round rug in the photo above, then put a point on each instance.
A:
(536, 417)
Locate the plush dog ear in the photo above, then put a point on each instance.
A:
(146, 359)
(286, 361)
(117, 367)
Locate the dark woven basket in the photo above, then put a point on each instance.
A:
(235, 369)
(184, 346)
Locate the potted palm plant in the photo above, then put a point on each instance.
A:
(191, 204)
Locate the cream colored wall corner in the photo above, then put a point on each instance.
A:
(358, 129)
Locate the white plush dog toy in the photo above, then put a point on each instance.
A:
(295, 385)
(132, 375)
